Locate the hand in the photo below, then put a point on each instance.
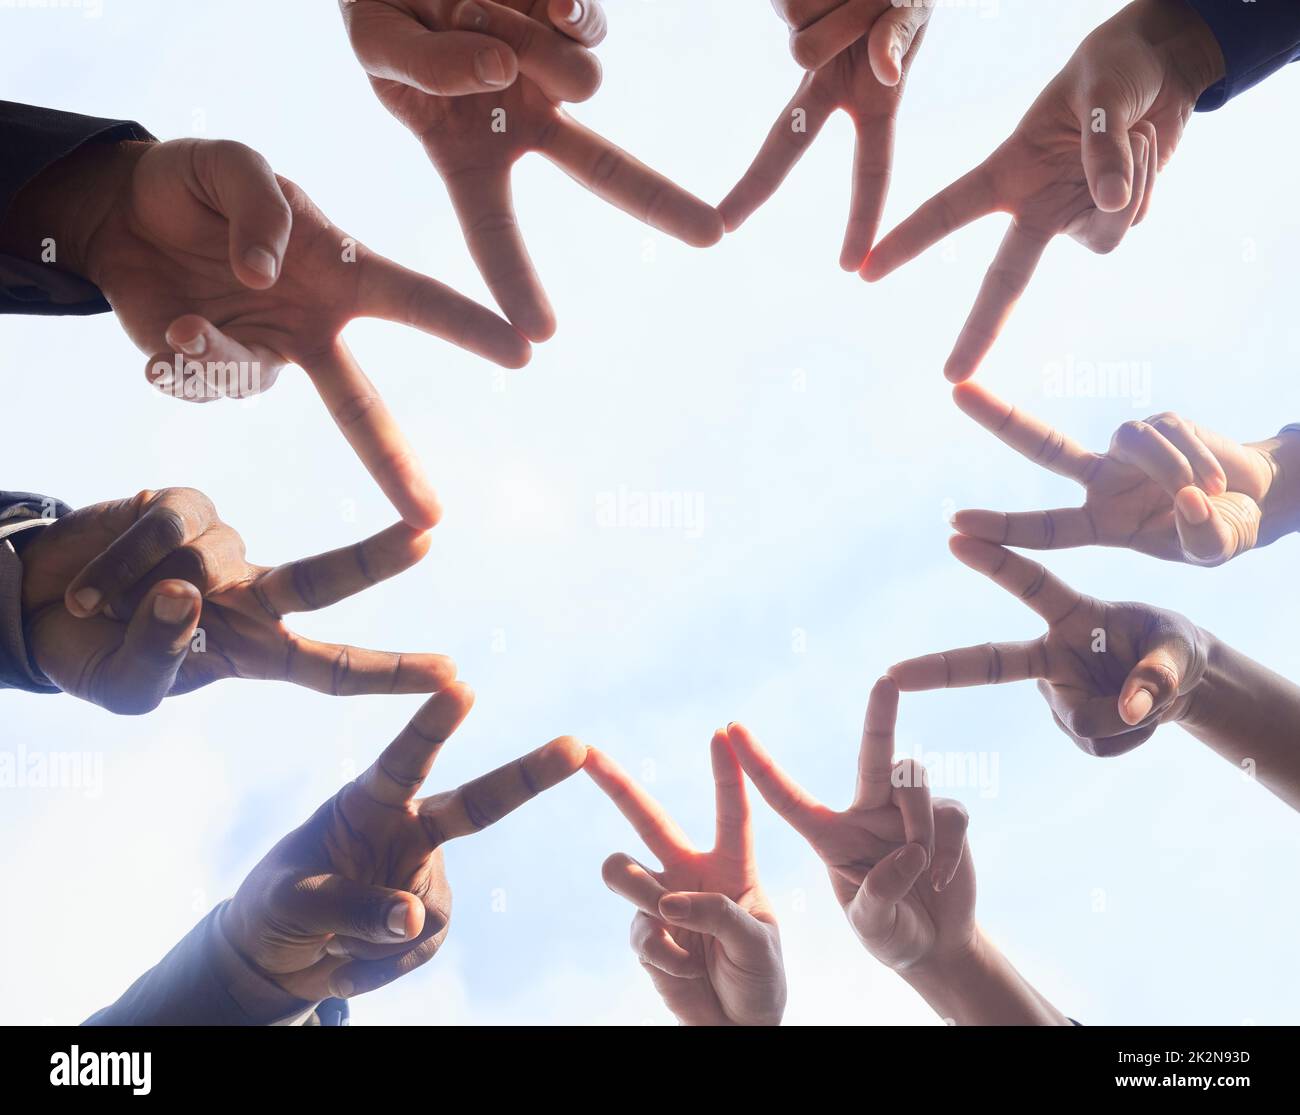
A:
(1166, 487)
(704, 930)
(1083, 161)
(877, 850)
(480, 85)
(357, 896)
(859, 53)
(1111, 673)
(113, 596)
(226, 273)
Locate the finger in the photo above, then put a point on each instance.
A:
(987, 664)
(207, 364)
(817, 43)
(165, 522)
(490, 797)
(799, 808)
(334, 904)
(312, 583)
(873, 910)
(1152, 685)
(1043, 593)
(563, 68)
(1148, 450)
(612, 174)
(1212, 530)
(972, 196)
(1003, 284)
(654, 947)
(648, 818)
(734, 835)
(873, 156)
(910, 786)
(1061, 528)
(135, 677)
(240, 185)
(372, 431)
(409, 298)
(486, 211)
(1152, 170)
(631, 880)
(581, 20)
(1102, 232)
(1088, 718)
(357, 977)
(399, 772)
(892, 38)
(876, 755)
(950, 824)
(1026, 434)
(795, 129)
(347, 671)
(392, 46)
(1185, 437)
(1106, 150)
(746, 939)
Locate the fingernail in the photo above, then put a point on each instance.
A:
(937, 881)
(575, 13)
(488, 66)
(1112, 192)
(675, 906)
(1139, 705)
(397, 921)
(261, 261)
(87, 599)
(471, 16)
(195, 346)
(911, 860)
(171, 609)
(334, 947)
(341, 987)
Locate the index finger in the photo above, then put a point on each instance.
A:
(650, 820)
(484, 801)
(791, 801)
(1042, 592)
(399, 772)
(623, 181)
(876, 756)
(374, 435)
(1025, 434)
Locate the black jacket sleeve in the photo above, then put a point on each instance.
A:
(21, 514)
(1257, 40)
(32, 139)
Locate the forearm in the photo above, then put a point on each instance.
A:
(1251, 716)
(982, 988)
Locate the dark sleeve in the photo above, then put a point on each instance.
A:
(22, 514)
(32, 139)
(203, 981)
(1257, 39)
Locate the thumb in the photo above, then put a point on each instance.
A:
(141, 672)
(243, 189)
(872, 910)
(1152, 684)
(1214, 530)
(1107, 152)
(741, 934)
(891, 38)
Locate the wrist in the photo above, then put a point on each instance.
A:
(944, 980)
(1184, 40)
(56, 218)
(1280, 504)
(1204, 704)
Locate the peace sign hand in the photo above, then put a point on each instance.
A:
(859, 53)
(114, 594)
(1166, 487)
(357, 896)
(704, 930)
(474, 139)
(1111, 673)
(877, 850)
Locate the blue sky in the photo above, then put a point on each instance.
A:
(800, 411)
